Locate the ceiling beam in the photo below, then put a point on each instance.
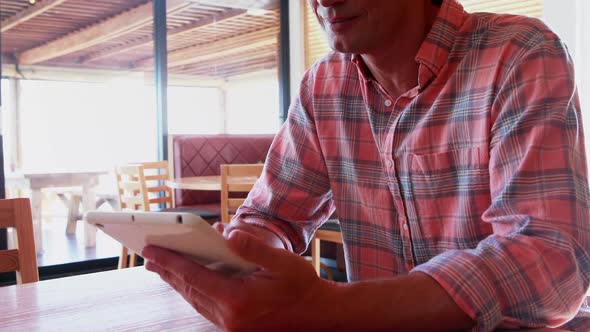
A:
(244, 4)
(242, 59)
(232, 13)
(28, 13)
(229, 69)
(121, 24)
(217, 49)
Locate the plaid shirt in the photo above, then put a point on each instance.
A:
(476, 177)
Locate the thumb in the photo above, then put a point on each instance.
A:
(255, 251)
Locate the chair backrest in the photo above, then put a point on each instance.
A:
(236, 178)
(140, 185)
(16, 213)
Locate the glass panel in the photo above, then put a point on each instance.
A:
(194, 110)
(247, 115)
(77, 106)
(86, 124)
(222, 67)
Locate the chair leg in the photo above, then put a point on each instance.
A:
(73, 212)
(123, 258)
(133, 259)
(315, 254)
(329, 274)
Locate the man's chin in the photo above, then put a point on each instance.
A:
(344, 46)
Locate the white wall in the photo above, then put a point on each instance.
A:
(583, 57)
(560, 15)
(569, 19)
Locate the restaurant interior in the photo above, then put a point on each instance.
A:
(143, 104)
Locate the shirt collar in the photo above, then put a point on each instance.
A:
(439, 42)
(435, 49)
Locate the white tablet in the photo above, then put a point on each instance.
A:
(182, 232)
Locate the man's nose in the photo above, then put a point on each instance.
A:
(329, 3)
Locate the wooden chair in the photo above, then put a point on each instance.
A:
(329, 231)
(231, 174)
(140, 187)
(16, 213)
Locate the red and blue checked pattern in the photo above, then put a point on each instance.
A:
(476, 177)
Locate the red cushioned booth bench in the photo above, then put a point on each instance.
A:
(201, 155)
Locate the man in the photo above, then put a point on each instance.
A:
(451, 146)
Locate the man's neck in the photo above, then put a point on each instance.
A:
(394, 65)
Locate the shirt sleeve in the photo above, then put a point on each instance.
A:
(292, 198)
(534, 270)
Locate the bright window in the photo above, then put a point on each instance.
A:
(252, 106)
(86, 126)
(194, 110)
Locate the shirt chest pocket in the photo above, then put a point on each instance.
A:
(449, 190)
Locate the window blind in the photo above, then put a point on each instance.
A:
(316, 46)
(315, 43)
(519, 7)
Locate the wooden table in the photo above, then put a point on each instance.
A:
(211, 182)
(38, 181)
(130, 299)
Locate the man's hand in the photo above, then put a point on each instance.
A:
(275, 297)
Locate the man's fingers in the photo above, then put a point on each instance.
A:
(203, 304)
(219, 227)
(209, 282)
(255, 251)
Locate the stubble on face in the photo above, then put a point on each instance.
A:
(360, 26)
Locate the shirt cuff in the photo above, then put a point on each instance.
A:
(465, 277)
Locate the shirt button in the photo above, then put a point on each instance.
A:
(405, 227)
(388, 103)
(389, 163)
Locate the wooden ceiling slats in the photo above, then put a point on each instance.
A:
(233, 66)
(258, 52)
(95, 34)
(58, 36)
(63, 19)
(11, 8)
(239, 68)
(242, 43)
(28, 14)
(173, 33)
(262, 54)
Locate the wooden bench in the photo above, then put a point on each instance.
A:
(202, 155)
(72, 199)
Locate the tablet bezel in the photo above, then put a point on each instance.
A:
(183, 232)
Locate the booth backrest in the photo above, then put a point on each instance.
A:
(198, 155)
